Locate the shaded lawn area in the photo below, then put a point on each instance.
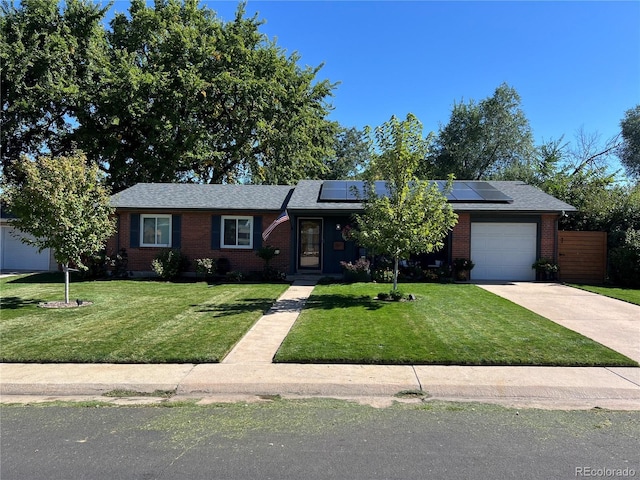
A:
(131, 321)
(625, 294)
(457, 324)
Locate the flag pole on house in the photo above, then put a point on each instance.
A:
(283, 217)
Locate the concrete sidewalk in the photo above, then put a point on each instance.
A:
(547, 387)
(248, 371)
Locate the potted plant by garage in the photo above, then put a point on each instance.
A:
(545, 268)
(462, 267)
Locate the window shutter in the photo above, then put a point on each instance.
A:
(215, 232)
(257, 233)
(176, 229)
(134, 230)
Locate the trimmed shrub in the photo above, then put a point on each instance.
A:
(270, 274)
(234, 276)
(169, 263)
(96, 265)
(383, 296)
(396, 295)
(382, 275)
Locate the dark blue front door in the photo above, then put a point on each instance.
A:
(309, 244)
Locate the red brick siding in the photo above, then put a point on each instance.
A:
(112, 243)
(196, 243)
(548, 248)
(461, 237)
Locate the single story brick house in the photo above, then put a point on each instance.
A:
(503, 226)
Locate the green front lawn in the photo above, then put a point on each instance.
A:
(130, 321)
(626, 294)
(447, 324)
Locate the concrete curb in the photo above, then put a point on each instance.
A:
(555, 386)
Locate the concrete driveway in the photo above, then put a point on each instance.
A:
(611, 322)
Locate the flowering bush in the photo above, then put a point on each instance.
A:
(361, 265)
(356, 272)
(205, 266)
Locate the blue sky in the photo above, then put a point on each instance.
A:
(575, 64)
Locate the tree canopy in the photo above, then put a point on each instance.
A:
(414, 217)
(350, 155)
(47, 71)
(481, 139)
(168, 92)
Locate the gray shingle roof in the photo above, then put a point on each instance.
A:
(184, 196)
(526, 198)
(305, 197)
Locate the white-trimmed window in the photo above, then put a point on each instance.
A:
(155, 230)
(237, 232)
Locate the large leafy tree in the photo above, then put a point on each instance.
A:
(350, 155)
(630, 147)
(63, 203)
(414, 215)
(48, 58)
(187, 97)
(481, 139)
(167, 92)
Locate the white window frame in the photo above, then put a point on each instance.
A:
(236, 218)
(156, 217)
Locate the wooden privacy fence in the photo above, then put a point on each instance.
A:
(582, 256)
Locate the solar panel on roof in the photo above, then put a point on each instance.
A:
(355, 191)
(333, 191)
(469, 192)
(462, 192)
(489, 193)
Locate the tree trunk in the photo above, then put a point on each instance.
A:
(395, 273)
(65, 269)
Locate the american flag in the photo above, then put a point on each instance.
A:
(283, 217)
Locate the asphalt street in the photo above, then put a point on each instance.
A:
(315, 439)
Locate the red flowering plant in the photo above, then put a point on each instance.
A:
(358, 271)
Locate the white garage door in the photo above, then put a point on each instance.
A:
(15, 255)
(503, 251)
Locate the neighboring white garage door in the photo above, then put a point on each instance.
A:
(503, 251)
(15, 255)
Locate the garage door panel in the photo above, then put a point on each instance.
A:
(503, 251)
(16, 255)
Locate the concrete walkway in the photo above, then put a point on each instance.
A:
(262, 341)
(248, 371)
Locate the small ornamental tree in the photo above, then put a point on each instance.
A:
(64, 204)
(414, 216)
